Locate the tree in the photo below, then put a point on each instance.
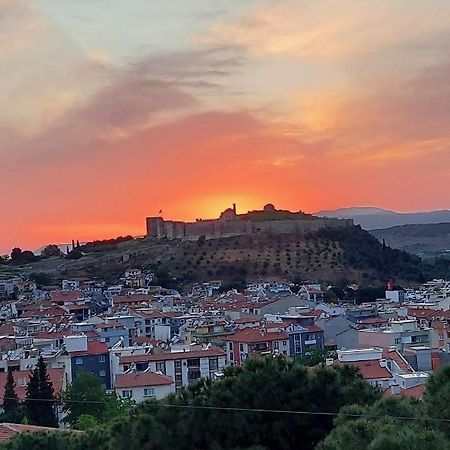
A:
(27, 256)
(13, 412)
(32, 396)
(47, 394)
(40, 397)
(15, 253)
(74, 254)
(387, 424)
(437, 397)
(51, 250)
(85, 402)
(84, 397)
(263, 384)
(40, 278)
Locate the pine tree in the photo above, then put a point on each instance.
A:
(31, 404)
(10, 400)
(40, 395)
(46, 393)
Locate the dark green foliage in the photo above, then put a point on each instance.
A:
(363, 251)
(13, 411)
(39, 402)
(22, 257)
(389, 424)
(103, 245)
(85, 402)
(74, 254)
(57, 440)
(41, 278)
(10, 399)
(437, 398)
(50, 250)
(364, 421)
(263, 383)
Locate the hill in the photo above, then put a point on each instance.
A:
(375, 218)
(424, 240)
(329, 255)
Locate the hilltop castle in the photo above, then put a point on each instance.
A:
(269, 220)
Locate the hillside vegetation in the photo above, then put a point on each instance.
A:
(330, 255)
(425, 240)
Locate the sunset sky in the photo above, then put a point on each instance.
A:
(114, 109)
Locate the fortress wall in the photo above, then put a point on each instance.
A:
(233, 227)
(157, 227)
(202, 228)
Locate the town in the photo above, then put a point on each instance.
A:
(144, 341)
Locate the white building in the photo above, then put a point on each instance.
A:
(141, 386)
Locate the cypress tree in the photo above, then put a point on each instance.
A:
(31, 404)
(46, 393)
(10, 399)
(40, 395)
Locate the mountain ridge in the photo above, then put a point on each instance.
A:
(372, 218)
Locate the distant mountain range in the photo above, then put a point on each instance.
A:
(430, 239)
(375, 218)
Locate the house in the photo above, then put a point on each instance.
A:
(184, 367)
(304, 335)
(400, 334)
(89, 356)
(384, 368)
(113, 332)
(141, 386)
(339, 332)
(250, 342)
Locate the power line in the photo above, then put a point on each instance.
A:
(254, 410)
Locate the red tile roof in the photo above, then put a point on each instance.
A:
(65, 296)
(401, 362)
(207, 353)
(8, 430)
(371, 369)
(250, 335)
(142, 379)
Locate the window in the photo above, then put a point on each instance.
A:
(127, 393)
(78, 361)
(241, 347)
(161, 367)
(102, 373)
(284, 343)
(230, 345)
(149, 392)
(213, 364)
(397, 341)
(101, 359)
(193, 375)
(193, 362)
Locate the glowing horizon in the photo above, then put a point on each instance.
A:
(117, 109)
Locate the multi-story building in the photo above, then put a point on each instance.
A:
(250, 342)
(89, 356)
(399, 334)
(141, 386)
(184, 367)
